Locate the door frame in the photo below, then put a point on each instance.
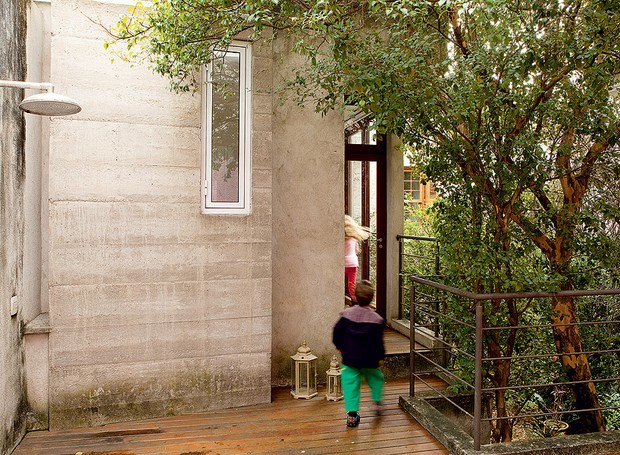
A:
(376, 153)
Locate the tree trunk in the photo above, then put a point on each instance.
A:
(569, 346)
(503, 427)
(501, 374)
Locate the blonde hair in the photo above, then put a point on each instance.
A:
(354, 230)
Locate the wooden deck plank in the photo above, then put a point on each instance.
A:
(284, 426)
(395, 342)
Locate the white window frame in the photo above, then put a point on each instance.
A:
(244, 206)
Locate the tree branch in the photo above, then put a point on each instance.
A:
(458, 32)
(547, 89)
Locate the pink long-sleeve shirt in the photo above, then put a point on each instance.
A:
(351, 250)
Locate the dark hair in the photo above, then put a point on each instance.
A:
(364, 292)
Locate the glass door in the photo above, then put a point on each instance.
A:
(365, 201)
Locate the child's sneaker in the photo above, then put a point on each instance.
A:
(379, 408)
(353, 420)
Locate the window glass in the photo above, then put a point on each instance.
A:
(226, 170)
(225, 129)
(415, 189)
(411, 186)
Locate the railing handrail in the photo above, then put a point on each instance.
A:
(415, 237)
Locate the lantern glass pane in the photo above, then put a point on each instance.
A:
(312, 376)
(303, 377)
(337, 388)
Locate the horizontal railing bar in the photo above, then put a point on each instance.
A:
(415, 237)
(458, 351)
(409, 273)
(549, 326)
(512, 295)
(445, 397)
(430, 311)
(543, 356)
(542, 414)
(427, 295)
(442, 370)
(446, 346)
(415, 255)
(551, 384)
(428, 359)
(427, 299)
(409, 256)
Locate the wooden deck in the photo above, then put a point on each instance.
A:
(396, 343)
(284, 426)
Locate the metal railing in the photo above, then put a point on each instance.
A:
(416, 256)
(464, 336)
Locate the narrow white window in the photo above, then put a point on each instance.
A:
(226, 166)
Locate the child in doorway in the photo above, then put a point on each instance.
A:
(353, 233)
(358, 335)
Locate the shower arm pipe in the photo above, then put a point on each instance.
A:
(44, 86)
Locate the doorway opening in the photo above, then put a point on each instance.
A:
(366, 199)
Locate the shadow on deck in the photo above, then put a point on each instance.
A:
(284, 426)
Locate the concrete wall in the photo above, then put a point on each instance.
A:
(33, 310)
(395, 223)
(154, 308)
(308, 239)
(36, 142)
(12, 177)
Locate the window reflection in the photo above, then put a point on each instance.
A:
(225, 158)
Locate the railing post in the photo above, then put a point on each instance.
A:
(436, 257)
(478, 377)
(412, 339)
(400, 278)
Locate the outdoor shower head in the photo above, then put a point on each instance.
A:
(48, 104)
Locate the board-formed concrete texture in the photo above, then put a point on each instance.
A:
(154, 308)
(13, 15)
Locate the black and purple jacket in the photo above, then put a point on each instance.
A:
(358, 335)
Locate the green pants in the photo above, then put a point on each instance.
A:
(352, 381)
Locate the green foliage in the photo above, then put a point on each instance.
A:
(419, 256)
(418, 221)
(471, 256)
(612, 416)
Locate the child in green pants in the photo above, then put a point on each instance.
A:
(358, 335)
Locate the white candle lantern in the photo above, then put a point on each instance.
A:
(334, 386)
(303, 373)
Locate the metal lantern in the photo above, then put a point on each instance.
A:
(334, 386)
(303, 373)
